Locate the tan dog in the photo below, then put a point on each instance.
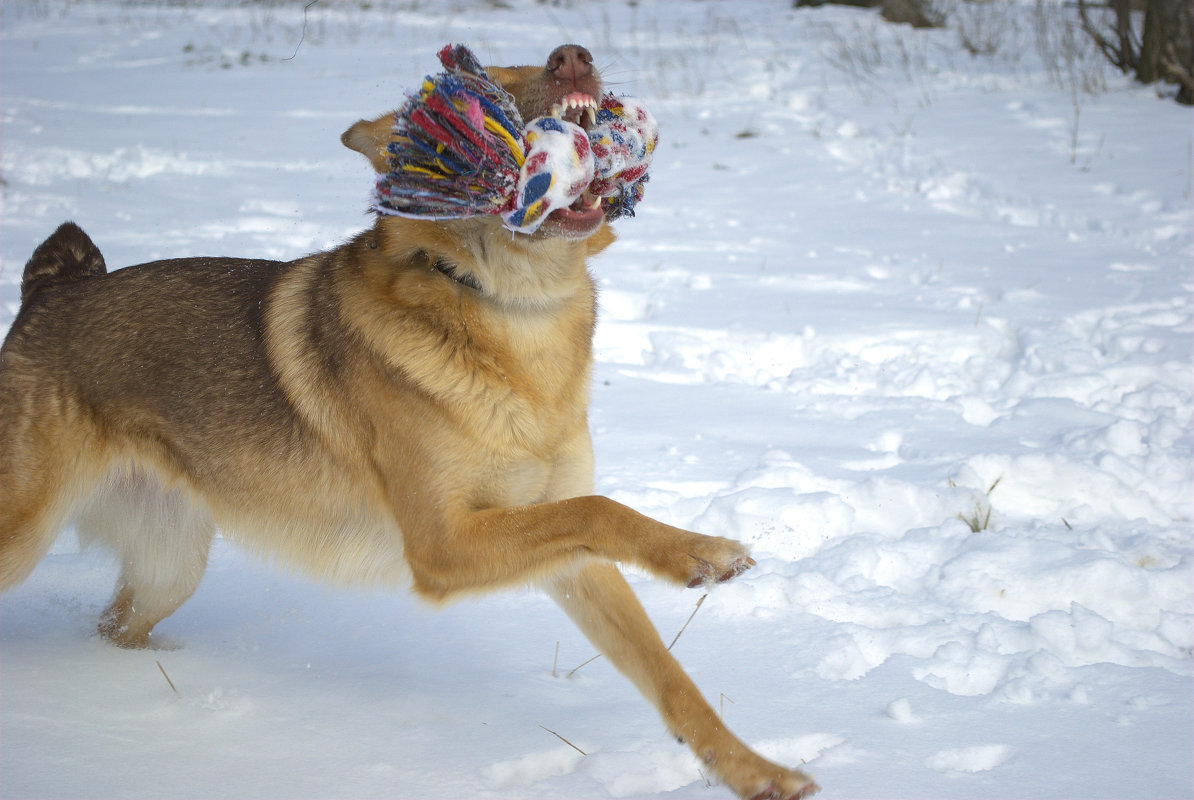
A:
(408, 407)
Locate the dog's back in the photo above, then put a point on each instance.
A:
(99, 402)
(113, 347)
(143, 406)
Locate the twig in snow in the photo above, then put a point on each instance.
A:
(303, 34)
(690, 616)
(591, 660)
(167, 677)
(565, 741)
(669, 647)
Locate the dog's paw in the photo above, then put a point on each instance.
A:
(691, 559)
(708, 560)
(752, 777)
(780, 783)
(789, 790)
(708, 574)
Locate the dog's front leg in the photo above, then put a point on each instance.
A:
(474, 550)
(600, 602)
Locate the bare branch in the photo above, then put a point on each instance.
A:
(1121, 54)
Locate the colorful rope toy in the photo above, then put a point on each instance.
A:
(459, 148)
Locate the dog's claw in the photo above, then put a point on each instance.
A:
(737, 568)
(707, 576)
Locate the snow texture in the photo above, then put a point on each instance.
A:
(915, 324)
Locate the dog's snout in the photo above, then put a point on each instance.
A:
(570, 62)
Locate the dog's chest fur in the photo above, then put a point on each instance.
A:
(503, 381)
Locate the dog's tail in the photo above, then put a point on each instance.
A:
(69, 254)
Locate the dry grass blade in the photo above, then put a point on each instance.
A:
(669, 647)
(565, 741)
(590, 661)
(690, 616)
(303, 35)
(167, 677)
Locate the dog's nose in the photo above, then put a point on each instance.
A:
(570, 62)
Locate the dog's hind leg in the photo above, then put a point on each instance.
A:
(32, 512)
(45, 464)
(43, 470)
(602, 604)
(162, 539)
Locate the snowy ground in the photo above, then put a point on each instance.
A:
(877, 287)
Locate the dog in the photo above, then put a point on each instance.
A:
(407, 408)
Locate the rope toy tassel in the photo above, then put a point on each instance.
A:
(455, 149)
(623, 142)
(459, 148)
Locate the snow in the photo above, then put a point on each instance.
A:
(915, 324)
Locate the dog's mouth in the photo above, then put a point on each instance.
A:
(578, 108)
(461, 148)
(578, 221)
(584, 216)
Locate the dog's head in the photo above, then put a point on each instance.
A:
(568, 84)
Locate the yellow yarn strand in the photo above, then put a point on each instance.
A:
(515, 146)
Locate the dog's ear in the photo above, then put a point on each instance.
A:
(370, 138)
(509, 77)
(524, 83)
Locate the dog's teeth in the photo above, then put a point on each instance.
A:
(591, 112)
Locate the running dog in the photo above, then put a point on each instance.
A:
(407, 408)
